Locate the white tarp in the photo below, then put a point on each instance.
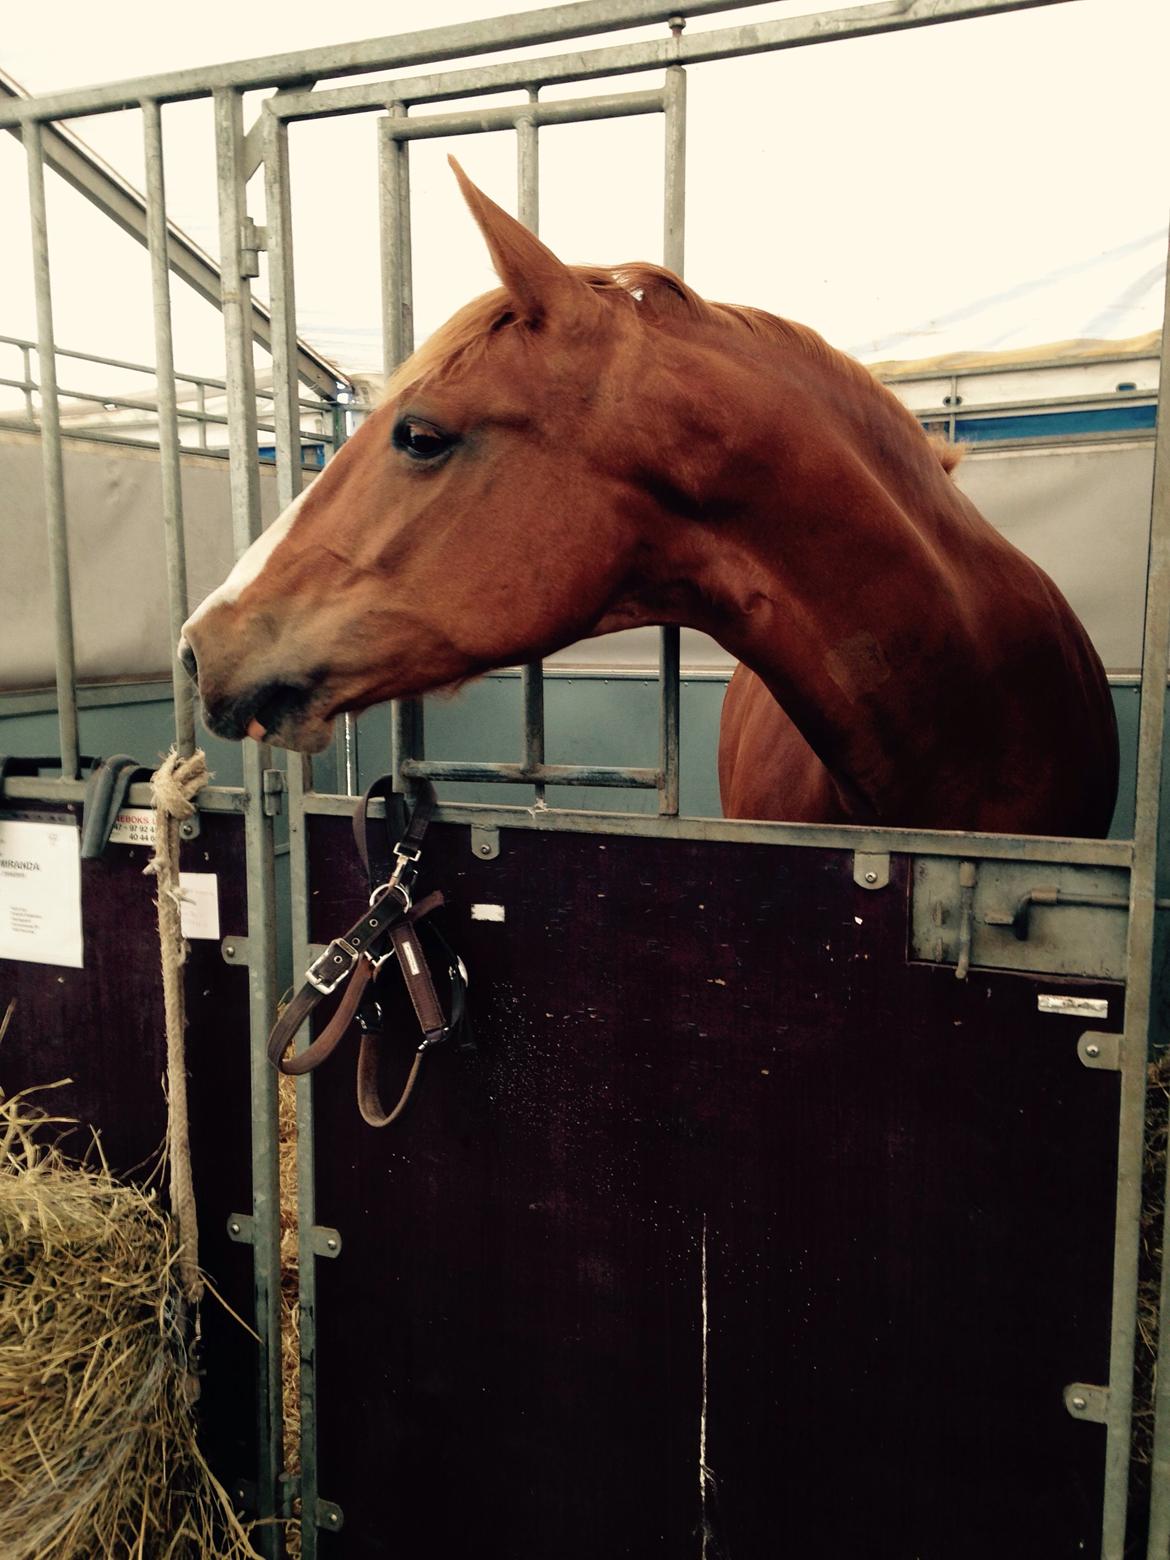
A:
(1081, 511)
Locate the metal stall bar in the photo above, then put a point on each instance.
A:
(258, 830)
(528, 210)
(406, 715)
(673, 252)
(278, 222)
(54, 467)
(1151, 736)
(168, 420)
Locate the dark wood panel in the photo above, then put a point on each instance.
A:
(102, 1026)
(713, 1105)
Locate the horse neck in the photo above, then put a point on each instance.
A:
(852, 575)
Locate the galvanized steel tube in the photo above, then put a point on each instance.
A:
(528, 209)
(673, 254)
(281, 296)
(406, 720)
(258, 830)
(170, 469)
(1138, 1004)
(52, 459)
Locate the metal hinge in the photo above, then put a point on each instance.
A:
(272, 792)
(253, 239)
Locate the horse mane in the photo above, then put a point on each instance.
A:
(661, 296)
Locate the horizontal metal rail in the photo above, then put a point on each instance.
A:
(861, 21)
(140, 404)
(531, 774)
(423, 47)
(476, 121)
(911, 842)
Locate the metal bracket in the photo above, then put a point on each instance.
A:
(235, 950)
(272, 792)
(324, 1241)
(329, 1516)
(1097, 1049)
(871, 869)
(239, 1228)
(252, 240)
(485, 843)
(1086, 1402)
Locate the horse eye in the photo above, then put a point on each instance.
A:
(421, 440)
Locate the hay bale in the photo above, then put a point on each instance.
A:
(98, 1455)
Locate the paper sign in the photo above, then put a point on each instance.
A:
(133, 826)
(40, 893)
(199, 907)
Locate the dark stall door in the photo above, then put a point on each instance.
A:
(740, 1236)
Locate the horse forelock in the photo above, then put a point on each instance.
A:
(662, 299)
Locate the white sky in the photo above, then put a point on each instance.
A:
(991, 183)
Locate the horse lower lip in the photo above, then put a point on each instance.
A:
(256, 731)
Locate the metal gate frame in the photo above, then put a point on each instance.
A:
(240, 154)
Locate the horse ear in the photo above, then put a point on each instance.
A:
(541, 286)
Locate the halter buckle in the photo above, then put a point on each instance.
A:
(330, 968)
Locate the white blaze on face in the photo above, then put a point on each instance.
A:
(252, 563)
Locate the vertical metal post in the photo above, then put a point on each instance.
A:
(286, 408)
(528, 203)
(406, 718)
(52, 458)
(231, 175)
(201, 408)
(168, 418)
(673, 254)
(1151, 735)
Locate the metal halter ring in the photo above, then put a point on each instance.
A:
(392, 887)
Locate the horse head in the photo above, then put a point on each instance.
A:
(497, 505)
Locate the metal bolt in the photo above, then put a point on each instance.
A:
(333, 1519)
(485, 850)
(187, 830)
(871, 877)
(230, 950)
(332, 1243)
(234, 1227)
(1079, 1404)
(1093, 1049)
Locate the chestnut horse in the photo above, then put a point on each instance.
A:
(589, 449)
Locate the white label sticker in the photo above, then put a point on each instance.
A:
(199, 909)
(133, 826)
(1082, 1007)
(487, 912)
(40, 893)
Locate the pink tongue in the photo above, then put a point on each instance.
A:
(256, 730)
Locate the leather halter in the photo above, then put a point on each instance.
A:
(387, 930)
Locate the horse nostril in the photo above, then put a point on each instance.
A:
(187, 660)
